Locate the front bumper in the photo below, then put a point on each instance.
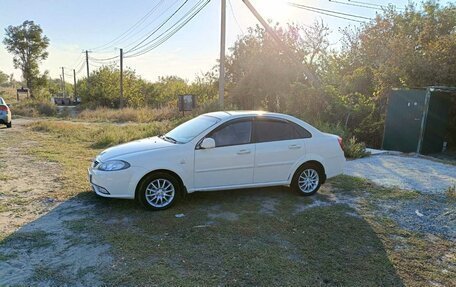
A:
(115, 184)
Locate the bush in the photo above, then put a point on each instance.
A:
(355, 149)
(352, 148)
(47, 109)
(34, 108)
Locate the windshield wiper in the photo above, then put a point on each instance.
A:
(168, 139)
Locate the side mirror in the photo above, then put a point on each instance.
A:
(208, 143)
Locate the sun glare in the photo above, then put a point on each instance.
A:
(276, 10)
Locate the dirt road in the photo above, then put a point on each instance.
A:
(43, 234)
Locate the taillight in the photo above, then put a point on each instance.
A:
(4, 108)
(340, 142)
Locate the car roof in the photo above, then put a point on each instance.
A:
(233, 114)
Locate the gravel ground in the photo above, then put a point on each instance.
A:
(404, 172)
(432, 212)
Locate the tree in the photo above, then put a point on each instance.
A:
(28, 46)
(3, 78)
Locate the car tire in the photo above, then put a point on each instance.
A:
(307, 179)
(9, 125)
(159, 191)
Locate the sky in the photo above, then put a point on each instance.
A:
(76, 26)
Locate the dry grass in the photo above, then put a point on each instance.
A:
(451, 192)
(139, 115)
(101, 135)
(9, 94)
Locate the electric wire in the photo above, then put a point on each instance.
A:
(170, 34)
(356, 5)
(173, 26)
(139, 22)
(147, 25)
(328, 14)
(327, 11)
(158, 28)
(375, 5)
(235, 18)
(151, 34)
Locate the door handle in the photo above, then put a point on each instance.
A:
(243, 151)
(294, 146)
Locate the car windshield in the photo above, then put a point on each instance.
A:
(190, 129)
(1, 101)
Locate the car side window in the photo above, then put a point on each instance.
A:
(301, 132)
(236, 133)
(269, 130)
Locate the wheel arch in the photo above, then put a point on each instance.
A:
(170, 172)
(314, 162)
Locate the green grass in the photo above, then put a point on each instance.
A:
(356, 185)
(286, 248)
(33, 239)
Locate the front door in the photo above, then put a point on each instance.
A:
(230, 163)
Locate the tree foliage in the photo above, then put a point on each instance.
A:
(105, 89)
(3, 79)
(411, 48)
(28, 46)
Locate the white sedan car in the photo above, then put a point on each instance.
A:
(219, 151)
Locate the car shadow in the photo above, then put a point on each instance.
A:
(264, 236)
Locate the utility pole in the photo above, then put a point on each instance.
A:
(222, 55)
(74, 87)
(88, 73)
(121, 103)
(63, 81)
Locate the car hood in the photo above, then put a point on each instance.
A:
(147, 144)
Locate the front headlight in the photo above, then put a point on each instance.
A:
(113, 165)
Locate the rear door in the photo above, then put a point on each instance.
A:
(231, 162)
(279, 144)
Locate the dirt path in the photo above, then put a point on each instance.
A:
(26, 184)
(46, 246)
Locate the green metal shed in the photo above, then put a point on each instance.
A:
(417, 119)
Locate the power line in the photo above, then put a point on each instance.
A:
(328, 11)
(77, 62)
(142, 41)
(373, 4)
(176, 27)
(356, 5)
(104, 59)
(79, 70)
(179, 23)
(235, 18)
(321, 11)
(148, 24)
(151, 34)
(139, 22)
